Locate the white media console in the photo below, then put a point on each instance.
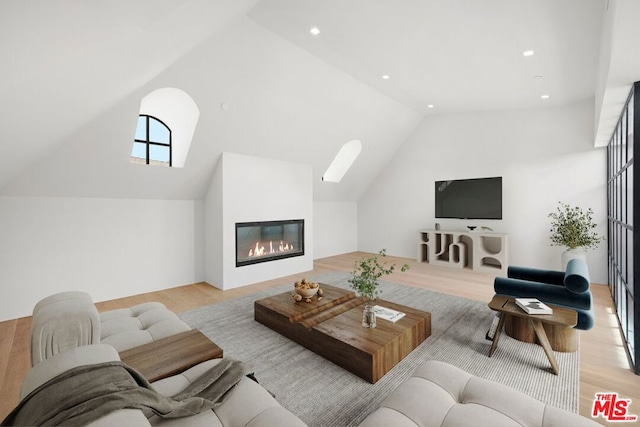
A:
(478, 251)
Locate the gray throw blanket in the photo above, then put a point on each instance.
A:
(86, 393)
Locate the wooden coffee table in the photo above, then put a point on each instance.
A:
(172, 355)
(332, 328)
(561, 317)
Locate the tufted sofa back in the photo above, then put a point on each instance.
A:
(70, 319)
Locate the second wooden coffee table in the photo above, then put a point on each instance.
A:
(171, 355)
(332, 328)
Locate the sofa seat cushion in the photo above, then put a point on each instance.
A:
(138, 325)
(439, 394)
(248, 405)
(123, 417)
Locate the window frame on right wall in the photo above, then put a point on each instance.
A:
(623, 216)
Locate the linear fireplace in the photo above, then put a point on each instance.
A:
(264, 241)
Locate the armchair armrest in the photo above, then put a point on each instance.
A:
(547, 293)
(536, 275)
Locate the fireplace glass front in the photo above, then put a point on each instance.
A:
(268, 241)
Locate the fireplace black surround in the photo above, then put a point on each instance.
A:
(263, 241)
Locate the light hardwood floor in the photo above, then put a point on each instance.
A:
(603, 362)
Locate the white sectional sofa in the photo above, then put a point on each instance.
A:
(67, 332)
(248, 405)
(439, 394)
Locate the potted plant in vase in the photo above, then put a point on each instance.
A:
(572, 227)
(364, 281)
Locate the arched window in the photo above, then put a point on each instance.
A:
(166, 123)
(152, 144)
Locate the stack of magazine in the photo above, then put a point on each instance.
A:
(533, 306)
(387, 313)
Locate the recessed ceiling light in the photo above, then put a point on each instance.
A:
(430, 106)
(527, 53)
(315, 31)
(386, 76)
(545, 96)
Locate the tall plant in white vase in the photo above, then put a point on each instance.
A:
(573, 228)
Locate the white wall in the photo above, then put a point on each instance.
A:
(214, 247)
(255, 189)
(543, 155)
(335, 228)
(109, 248)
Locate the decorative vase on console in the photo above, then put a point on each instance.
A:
(364, 281)
(572, 227)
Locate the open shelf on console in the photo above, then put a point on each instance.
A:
(478, 251)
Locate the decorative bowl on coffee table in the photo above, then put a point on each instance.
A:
(305, 288)
(307, 292)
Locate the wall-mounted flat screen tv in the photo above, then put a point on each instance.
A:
(479, 198)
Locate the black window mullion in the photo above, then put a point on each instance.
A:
(146, 137)
(148, 142)
(635, 195)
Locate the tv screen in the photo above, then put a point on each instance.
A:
(479, 198)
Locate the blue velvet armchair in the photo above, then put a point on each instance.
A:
(568, 289)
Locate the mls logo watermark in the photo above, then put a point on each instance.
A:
(612, 408)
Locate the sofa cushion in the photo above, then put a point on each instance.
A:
(123, 417)
(248, 405)
(439, 394)
(141, 324)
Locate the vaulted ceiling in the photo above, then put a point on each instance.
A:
(74, 73)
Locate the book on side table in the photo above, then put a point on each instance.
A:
(533, 306)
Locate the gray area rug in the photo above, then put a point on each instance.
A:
(323, 394)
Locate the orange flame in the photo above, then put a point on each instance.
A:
(259, 249)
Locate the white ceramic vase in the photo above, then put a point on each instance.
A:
(570, 254)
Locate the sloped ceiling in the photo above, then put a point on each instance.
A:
(619, 65)
(458, 55)
(74, 73)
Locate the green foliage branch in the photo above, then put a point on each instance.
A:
(572, 227)
(368, 271)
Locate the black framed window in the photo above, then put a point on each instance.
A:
(623, 213)
(152, 143)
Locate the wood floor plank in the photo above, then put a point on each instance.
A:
(7, 332)
(19, 362)
(604, 365)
